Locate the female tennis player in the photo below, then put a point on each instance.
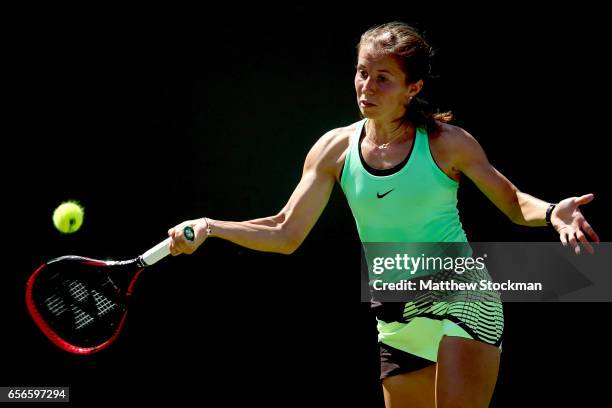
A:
(399, 168)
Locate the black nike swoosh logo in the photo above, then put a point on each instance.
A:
(382, 195)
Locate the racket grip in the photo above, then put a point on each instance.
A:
(162, 250)
(157, 253)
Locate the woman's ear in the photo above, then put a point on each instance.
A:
(414, 88)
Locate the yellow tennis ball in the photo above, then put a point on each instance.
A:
(68, 217)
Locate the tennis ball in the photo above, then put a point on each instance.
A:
(68, 217)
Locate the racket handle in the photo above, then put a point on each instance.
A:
(162, 250)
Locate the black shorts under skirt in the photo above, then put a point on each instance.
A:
(394, 361)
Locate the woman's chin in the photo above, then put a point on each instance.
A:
(367, 113)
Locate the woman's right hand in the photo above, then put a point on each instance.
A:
(179, 244)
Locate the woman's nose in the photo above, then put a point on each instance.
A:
(368, 86)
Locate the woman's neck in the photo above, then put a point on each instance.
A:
(382, 132)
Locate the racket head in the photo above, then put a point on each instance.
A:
(80, 303)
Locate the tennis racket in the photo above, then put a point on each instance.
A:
(81, 303)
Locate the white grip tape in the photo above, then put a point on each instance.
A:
(157, 253)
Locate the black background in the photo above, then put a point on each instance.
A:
(151, 117)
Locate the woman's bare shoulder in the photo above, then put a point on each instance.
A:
(448, 131)
(335, 140)
(458, 142)
(452, 136)
(330, 149)
(340, 135)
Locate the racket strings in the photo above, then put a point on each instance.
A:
(103, 304)
(78, 291)
(81, 318)
(55, 305)
(85, 310)
(89, 304)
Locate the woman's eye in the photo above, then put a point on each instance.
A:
(363, 74)
(382, 78)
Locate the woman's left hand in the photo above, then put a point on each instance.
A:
(571, 225)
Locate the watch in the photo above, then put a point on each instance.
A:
(549, 212)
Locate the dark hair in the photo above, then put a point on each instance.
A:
(414, 55)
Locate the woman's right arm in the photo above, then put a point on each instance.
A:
(285, 231)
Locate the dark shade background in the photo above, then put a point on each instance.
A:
(149, 118)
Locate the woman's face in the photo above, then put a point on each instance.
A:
(380, 84)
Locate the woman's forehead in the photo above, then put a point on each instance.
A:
(375, 59)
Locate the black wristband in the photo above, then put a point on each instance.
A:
(549, 212)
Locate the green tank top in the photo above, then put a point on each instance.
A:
(413, 202)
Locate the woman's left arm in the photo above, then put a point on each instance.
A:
(521, 207)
